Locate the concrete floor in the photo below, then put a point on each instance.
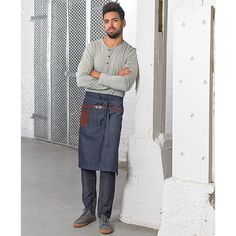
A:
(51, 194)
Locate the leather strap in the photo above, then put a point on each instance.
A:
(112, 108)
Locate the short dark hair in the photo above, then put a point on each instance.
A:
(113, 6)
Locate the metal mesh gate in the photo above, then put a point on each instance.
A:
(96, 19)
(58, 68)
(77, 33)
(40, 70)
(59, 41)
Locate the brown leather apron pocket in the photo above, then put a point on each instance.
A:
(84, 118)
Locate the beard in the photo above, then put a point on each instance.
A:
(114, 34)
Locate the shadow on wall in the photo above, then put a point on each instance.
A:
(166, 154)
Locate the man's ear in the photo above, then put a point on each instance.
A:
(124, 23)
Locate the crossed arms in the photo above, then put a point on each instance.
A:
(87, 77)
(124, 71)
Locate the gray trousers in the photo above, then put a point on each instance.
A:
(106, 191)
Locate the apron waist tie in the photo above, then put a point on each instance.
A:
(107, 128)
(110, 107)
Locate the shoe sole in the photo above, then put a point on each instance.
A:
(105, 231)
(82, 225)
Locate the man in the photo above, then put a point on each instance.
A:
(107, 70)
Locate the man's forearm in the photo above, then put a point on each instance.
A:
(86, 81)
(122, 81)
(124, 71)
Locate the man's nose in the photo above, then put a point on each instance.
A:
(110, 24)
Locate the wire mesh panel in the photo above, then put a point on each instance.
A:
(58, 68)
(40, 71)
(97, 30)
(77, 43)
(58, 100)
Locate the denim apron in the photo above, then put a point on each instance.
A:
(99, 134)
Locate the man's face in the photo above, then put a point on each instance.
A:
(113, 24)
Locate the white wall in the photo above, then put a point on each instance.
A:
(130, 8)
(27, 68)
(189, 59)
(145, 171)
(191, 86)
(172, 6)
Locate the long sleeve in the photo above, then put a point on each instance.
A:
(86, 65)
(123, 83)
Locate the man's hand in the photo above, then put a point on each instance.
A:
(95, 74)
(124, 71)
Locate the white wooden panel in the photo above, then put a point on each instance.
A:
(191, 80)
